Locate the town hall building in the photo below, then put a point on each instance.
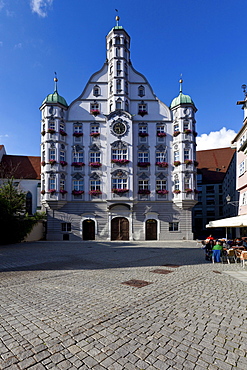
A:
(117, 163)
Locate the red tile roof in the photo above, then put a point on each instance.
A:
(20, 167)
(213, 164)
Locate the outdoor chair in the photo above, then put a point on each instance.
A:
(231, 256)
(243, 258)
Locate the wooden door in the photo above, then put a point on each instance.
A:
(151, 230)
(119, 228)
(88, 230)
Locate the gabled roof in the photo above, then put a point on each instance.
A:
(213, 164)
(20, 167)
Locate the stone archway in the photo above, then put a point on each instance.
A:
(119, 228)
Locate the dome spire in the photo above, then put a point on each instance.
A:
(55, 80)
(117, 18)
(181, 84)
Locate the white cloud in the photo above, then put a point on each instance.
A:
(215, 139)
(6, 135)
(40, 7)
(18, 46)
(1, 4)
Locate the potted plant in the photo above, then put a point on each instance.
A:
(94, 112)
(162, 192)
(196, 191)
(176, 133)
(143, 134)
(63, 163)
(77, 192)
(177, 191)
(120, 161)
(77, 134)
(144, 191)
(176, 163)
(188, 162)
(95, 164)
(51, 131)
(95, 192)
(94, 134)
(43, 163)
(188, 190)
(77, 164)
(62, 132)
(161, 164)
(120, 191)
(52, 191)
(187, 131)
(42, 192)
(161, 134)
(52, 162)
(62, 191)
(143, 164)
(142, 112)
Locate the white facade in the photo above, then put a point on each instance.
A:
(108, 158)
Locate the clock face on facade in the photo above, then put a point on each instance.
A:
(119, 128)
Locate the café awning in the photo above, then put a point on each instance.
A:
(238, 221)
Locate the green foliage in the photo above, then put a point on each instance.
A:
(14, 224)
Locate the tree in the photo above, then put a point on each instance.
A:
(14, 223)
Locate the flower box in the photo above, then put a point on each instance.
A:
(43, 132)
(143, 164)
(176, 133)
(120, 161)
(61, 191)
(94, 112)
(176, 163)
(187, 131)
(144, 191)
(42, 192)
(196, 163)
(95, 164)
(161, 164)
(196, 191)
(162, 192)
(77, 134)
(77, 192)
(51, 131)
(52, 191)
(94, 134)
(77, 164)
(142, 112)
(143, 134)
(43, 163)
(63, 133)
(95, 193)
(161, 134)
(52, 162)
(188, 190)
(188, 162)
(63, 163)
(120, 191)
(176, 191)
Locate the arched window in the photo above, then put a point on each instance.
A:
(141, 90)
(96, 90)
(118, 68)
(119, 104)
(117, 40)
(29, 202)
(119, 86)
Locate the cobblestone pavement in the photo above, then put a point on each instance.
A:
(63, 306)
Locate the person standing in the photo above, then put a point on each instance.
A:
(217, 249)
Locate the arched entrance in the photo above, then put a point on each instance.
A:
(88, 230)
(151, 229)
(119, 228)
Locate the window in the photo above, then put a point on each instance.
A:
(241, 168)
(77, 156)
(94, 156)
(66, 226)
(52, 183)
(186, 125)
(111, 106)
(160, 156)
(117, 40)
(160, 184)
(62, 184)
(61, 126)
(119, 104)
(78, 184)
(117, 52)
(94, 107)
(43, 155)
(126, 69)
(160, 129)
(119, 86)
(143, 157)
(186, 154)
(119, 183)
(141, 91)
(176, 127)
(173, 226)
(111, 68)
(143, 129)
(110, 43)
(52, 154)
(62, 155)
(176, 155)
(143, 184)
(78, 128)
(51, 125)
(209, 189)
(119, 153)
(95, 185)
(176, 184)
(142, 107)
(186, 182)
(94, 129)
(119, 68)
(29, 203)
(96, 90)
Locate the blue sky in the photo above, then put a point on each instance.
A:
(203, 40)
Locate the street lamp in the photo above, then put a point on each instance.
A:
(233, 203)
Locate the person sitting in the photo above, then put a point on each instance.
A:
(217, 249)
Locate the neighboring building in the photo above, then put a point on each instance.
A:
(117, 163)
(216, 179)
(26, 173)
